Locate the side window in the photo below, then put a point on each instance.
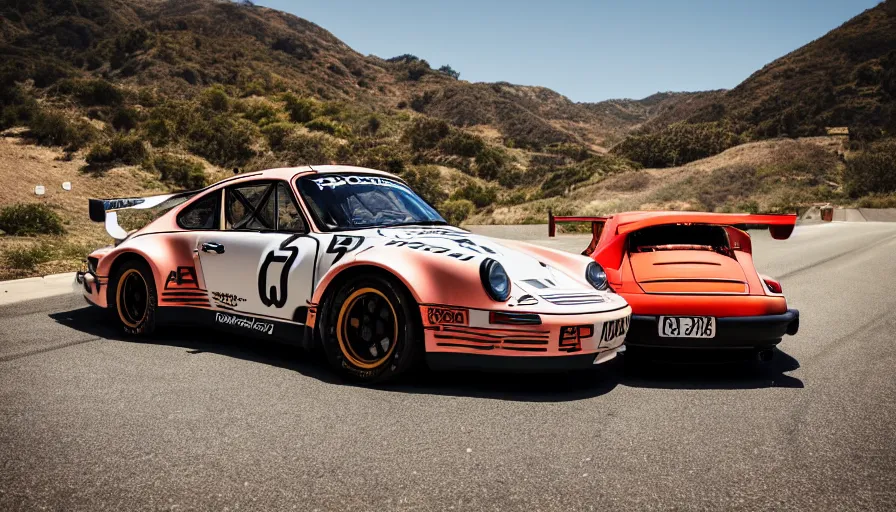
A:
(250, 207)
(288, 216)
(267, 206)
(203, 214)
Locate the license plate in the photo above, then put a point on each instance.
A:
(687, 327)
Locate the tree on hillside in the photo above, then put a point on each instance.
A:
(448, 70)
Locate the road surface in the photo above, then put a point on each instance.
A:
(200, 420)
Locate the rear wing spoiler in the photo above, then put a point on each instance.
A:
(597, 227)
(780, 226)
(104, 210)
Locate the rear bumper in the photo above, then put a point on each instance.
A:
(731, 332)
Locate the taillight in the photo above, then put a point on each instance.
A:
(773, 286)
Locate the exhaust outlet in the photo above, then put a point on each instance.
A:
(766, 355)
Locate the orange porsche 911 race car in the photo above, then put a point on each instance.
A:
(690, 280)
(351, 260)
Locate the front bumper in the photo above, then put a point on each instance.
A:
(731, 332)
(91, 287)
(462, 338)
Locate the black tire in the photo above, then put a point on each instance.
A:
(370, 330)
(133, 298)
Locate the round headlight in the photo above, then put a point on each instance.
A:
(495, 280)
(595, 275)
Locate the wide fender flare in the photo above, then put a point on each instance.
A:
(432, 278)
(163, 255)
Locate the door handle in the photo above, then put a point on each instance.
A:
(213, 247)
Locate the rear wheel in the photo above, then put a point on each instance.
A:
(370, 330)
(135, 297)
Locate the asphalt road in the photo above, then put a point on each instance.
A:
(198, 420)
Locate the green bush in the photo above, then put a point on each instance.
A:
(562, 180)
(125, 119)
(276, 133)
(576, 152)
(120, 149)
(873, 171)
(30, 219)
(260, 112)
(426, 180)
(223, 140)
(215, 99)
(309, 148)
(322, 124)
(490, 163)
(677, 144)
(26, 259)
(181, 172)
(426, 133)
(478, 195)
(52, 128)
(93, 92)
(300, 110)
(462, 144)
(455, 212)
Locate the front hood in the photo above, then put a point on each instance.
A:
(535, 285)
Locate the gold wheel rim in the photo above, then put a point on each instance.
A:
(121, 303)
(343, 323)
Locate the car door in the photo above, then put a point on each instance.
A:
(262, 261)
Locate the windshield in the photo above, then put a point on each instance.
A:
(348, 201)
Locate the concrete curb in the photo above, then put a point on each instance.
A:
(32, 288)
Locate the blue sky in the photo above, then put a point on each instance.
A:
(586, 50)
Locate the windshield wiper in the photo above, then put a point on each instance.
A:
(418, 223)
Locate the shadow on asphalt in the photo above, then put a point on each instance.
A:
(538, 387)
(708, 370)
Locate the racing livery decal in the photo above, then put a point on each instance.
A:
(271, 296)
(227, 299)
(342, 244)
(246, 323)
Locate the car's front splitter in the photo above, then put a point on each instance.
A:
(736, 332)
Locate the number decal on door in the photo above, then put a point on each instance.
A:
(275, 296)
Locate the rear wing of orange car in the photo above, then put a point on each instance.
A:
(780, 226)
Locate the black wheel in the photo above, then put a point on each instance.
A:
(134, 297)
(370, 330)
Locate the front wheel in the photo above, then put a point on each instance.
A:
(135, 298)
(370, 330)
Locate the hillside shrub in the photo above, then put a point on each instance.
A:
(491, 163)
(30, 219)
(677, 144)
(223, 140)
(873, 171)
(426, 180)
(26, 259)
(322, 124)
(562, 180)
(125, 119)
(426, 133)
(300, 110)
(120, 149)
(260, 112)
(181, 172)
(92, 92)
(276, 133)
(215, 99)
(308, 148)
(476, 194)
(51, 128)
(455, 212)
(462, 144)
